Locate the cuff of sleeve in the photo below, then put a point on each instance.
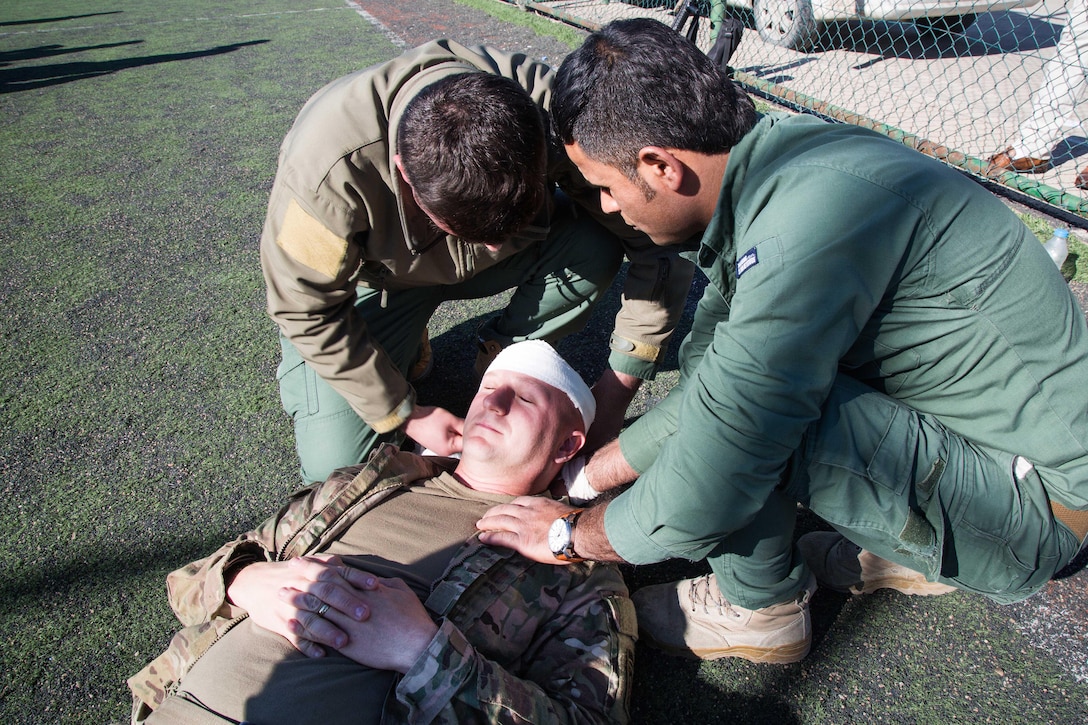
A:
(399, 415)
(634, 348)
(626, 535)
(438, 674)
(246, 553)
(624, 363)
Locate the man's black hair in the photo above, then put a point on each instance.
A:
(638, 83)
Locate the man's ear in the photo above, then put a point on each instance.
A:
(400, 168)
(660, 167)
(570, 446)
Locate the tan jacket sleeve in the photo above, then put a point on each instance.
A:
(335, 187)
(315, 309)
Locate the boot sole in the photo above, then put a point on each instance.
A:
(903, 585)
(781, 655)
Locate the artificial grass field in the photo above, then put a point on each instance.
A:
(141, 420)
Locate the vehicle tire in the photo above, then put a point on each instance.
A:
(946, 23)
(788, 23)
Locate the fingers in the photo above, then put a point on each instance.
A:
(504, 517)
(309, 623)
(360, 579)
(319, 599)
(297, 636)
(340, 595)
(398, 584)
(331, 582)
(501, 511)
(504, 539)
(367, 582)
(319, 567)
(457, 444)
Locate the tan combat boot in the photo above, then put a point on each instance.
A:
(693, 619)
(845, 567)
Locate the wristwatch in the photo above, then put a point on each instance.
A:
(561, 537)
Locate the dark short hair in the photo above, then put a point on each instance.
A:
(637, 83)
(473, 148)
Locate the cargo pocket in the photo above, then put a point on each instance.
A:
(857, 471)
(999, 541)
(298, 383)
(862, 433)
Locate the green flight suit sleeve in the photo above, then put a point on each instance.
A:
(819, 273)
(641, 442)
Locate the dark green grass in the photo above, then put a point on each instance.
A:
(141, 423)
(137, 367)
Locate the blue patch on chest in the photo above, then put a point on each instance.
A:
(746, 262)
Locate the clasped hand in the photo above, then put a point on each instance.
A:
(318, 601)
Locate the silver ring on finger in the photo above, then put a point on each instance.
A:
(322, 609)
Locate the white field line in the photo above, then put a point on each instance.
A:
(389, 34)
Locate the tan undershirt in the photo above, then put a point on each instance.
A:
(417, 531)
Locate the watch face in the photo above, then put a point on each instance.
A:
(558, 536)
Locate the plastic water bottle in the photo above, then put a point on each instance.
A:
(1058, 246)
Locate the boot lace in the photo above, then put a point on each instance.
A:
(704, 592)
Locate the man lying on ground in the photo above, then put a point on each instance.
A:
(369, 599)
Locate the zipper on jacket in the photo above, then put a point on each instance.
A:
(418, 251)
(231, 624)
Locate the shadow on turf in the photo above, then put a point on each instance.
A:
(98, 569)
(57, 20)
(50, 51)
(41, 76)
(674, 689)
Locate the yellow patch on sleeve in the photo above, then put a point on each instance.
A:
(309, 242)
(634, 348)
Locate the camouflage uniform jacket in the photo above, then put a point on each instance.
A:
(518, 642)
(337, 220)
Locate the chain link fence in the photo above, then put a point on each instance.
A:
(955, 79)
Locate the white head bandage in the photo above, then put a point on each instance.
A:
(539, 360)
